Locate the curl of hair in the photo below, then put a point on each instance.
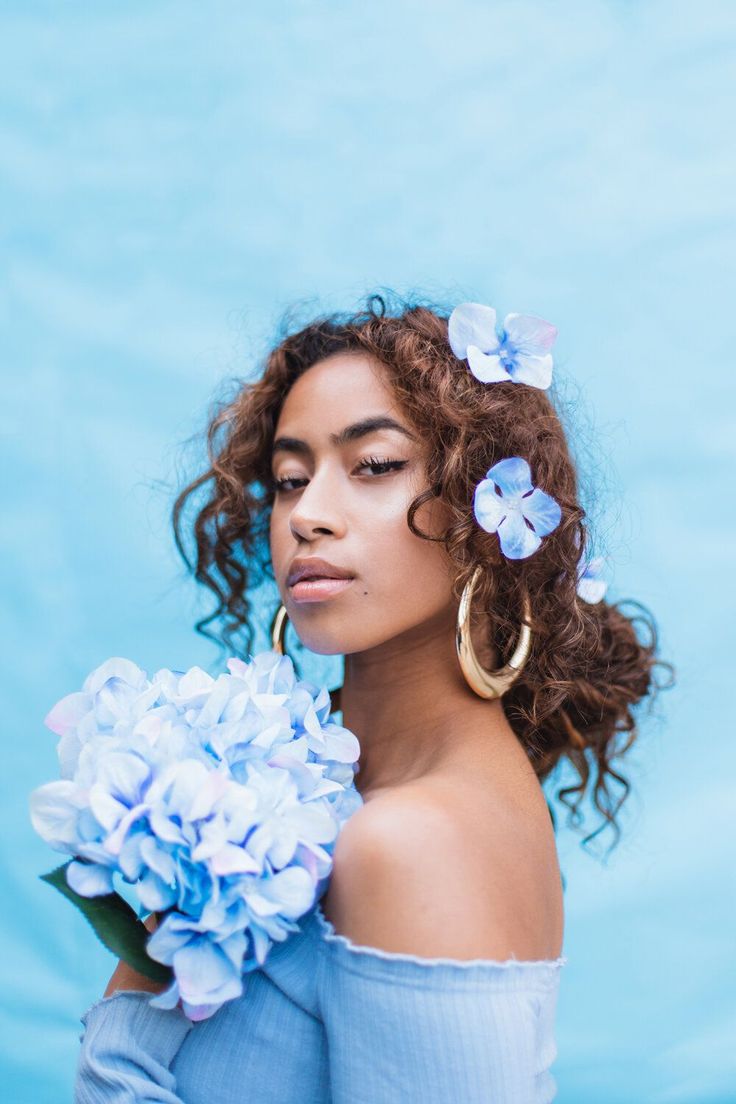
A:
(588, 667)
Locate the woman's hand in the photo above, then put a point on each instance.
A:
(125, 977)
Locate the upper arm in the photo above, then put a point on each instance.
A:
(407, 878)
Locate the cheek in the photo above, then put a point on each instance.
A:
(407, 570)
(280, 540)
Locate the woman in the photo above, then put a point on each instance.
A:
(379, 471)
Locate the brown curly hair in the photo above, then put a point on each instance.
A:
(587, 668)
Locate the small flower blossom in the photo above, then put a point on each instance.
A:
(506, 503)
(218, 800)
(519, 353)
(591, 586)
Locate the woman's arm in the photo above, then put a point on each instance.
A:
(125, 977)
(127, 1045)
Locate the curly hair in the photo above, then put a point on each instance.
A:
(588, 667)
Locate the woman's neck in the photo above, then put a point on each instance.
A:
(412, 711)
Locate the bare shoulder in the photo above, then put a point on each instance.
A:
(416, 872)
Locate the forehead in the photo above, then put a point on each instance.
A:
(338, 390)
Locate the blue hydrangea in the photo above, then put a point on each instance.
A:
(519, 353)
(218, 800)
(591, 584)
(506, 503)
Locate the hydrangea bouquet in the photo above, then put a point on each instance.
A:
(218, 800)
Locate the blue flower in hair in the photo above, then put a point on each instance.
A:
(506, 503)
(591, 586)
(520, 353)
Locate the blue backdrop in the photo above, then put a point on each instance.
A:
(173, 175)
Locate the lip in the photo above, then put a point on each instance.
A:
(317, 568)
(317, 590)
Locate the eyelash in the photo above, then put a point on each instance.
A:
(369, 461)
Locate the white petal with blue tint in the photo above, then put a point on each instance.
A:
(542, 511)
(486, 367)
(106, 808)
(89, 879)
(527, 333)
(55, 809)
(154, 893)
(67, 712)
(512, 476)
(472, 324)
(534, 371)
(203, 969)
(591, 586)
(517, 539)
(592, 590)
(115, 668)
(488, 507)
(122, 775)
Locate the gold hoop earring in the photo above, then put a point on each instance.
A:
(489, 684)
(486, 684)
(278, 637)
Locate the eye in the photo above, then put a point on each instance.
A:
(281, 484)
(372, 462)
(376, 462)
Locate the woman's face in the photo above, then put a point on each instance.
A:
(344, 499)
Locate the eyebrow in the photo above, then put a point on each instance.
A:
(349, 433)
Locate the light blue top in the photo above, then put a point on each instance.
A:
(325, 1021)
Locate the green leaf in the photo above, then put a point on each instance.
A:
(115, 925)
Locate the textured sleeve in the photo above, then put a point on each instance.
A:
(403, 1030)
(127, 1048)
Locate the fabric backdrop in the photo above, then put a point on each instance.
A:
(172, 177)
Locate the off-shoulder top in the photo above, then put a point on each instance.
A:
(326, 1021)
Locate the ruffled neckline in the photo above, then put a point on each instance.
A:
(331, 937)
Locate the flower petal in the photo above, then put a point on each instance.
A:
(294, 889)
(534, 371)
(89, 879)
(231, 859)
(122, 775)
(160, 859)
(591, 569)
(67, 750)
(512, 476)
(340, 743)
(55, 808)
(542, 510)
(517, 539)
(173, 933)
(154, 893)
(486, 367)
(107, 809)
(472, 323)
(203, 969)
(529, 334)
(168, 998)
(67, 713)
(116, 667)
(592, 590)
(488, 507)
(591, 585)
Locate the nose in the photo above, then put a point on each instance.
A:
(318, 510)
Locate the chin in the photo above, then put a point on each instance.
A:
(334, 639)
(322, 640)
